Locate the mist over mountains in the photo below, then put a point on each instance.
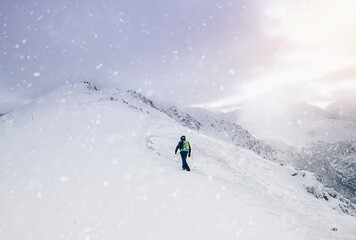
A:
(319, 140)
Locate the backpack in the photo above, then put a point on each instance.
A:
(185, 146)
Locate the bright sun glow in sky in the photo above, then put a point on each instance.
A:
(321, 39)
(225, 54)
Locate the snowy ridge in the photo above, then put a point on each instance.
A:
(206, 123)
(100, 165)
(232, 132)
(142, 98)
(182, 118)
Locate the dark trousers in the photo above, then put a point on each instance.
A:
(184, 160)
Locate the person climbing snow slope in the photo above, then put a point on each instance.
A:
(185, 150)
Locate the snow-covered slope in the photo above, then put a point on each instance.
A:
(311, 138)
(85, 164)
(212, 125)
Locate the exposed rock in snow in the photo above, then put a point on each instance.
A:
(335, 162)
(319, 191)
(92, 86)
(142, 98)
(183, 118)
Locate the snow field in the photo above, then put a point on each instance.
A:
(77, 164)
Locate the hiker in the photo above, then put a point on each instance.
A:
(185, 149)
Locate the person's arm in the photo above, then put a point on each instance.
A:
(177, 148)
(190, 148)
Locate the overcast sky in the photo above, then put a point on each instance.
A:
(211, 53)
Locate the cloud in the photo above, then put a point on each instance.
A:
(340, 75)
(186, 52)
(317, 60)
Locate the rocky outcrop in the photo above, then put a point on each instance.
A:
(142, 98)
(314, 185)
(334, 162)
(91, 86)
(183, 118)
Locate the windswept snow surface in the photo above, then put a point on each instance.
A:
(85, 164)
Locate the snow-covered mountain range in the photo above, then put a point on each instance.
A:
(331, 155)
(88, 163)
